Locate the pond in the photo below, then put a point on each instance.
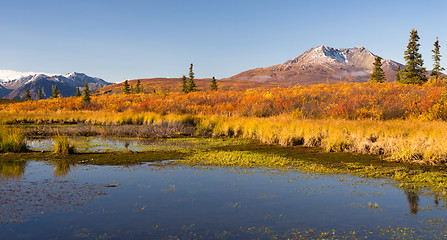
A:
(48, 200)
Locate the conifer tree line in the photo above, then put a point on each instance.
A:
(128, 89)
(413, 72)
(190, 86)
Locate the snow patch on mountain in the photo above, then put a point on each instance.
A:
(10, 75)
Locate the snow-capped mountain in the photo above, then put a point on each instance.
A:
(14, 84)
(322, 64)
(9, 75)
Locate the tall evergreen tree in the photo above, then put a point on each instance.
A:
(39, 93)
(86, 93)
(184, 85)
(191, 84)
(414, 72)
(213, 85)
(138, 87)
(436, 60)
(126, 87)
(377, 75)
(78, 93)
(55, 92)
(28, 95)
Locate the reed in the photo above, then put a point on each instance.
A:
(414, 141)
(62, 145)
(12, 140)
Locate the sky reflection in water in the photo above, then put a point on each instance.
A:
(45, 200)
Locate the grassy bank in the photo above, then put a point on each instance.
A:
(415, 141)
(249, 153)
(412, 141)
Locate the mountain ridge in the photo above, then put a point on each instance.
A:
(322, 64)
(17, 83)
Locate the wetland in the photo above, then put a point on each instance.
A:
(208, 188)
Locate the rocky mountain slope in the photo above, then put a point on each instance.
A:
(13, 85)
(322, 64)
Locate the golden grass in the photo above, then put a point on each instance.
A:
(102, 117)
(12, 140)
(400, 140)
(412, 140)
(62, 145)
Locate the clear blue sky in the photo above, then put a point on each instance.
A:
(116, 40)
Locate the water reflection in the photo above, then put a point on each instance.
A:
(12, 169)
(413, 199)
(179, 201)
(61, 168)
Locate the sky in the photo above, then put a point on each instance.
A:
(129, 39)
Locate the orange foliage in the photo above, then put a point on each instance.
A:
(340, 101)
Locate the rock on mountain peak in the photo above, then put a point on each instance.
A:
(322, 64)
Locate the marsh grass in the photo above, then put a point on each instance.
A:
(62, 145)
(12, 140)
(412, 141)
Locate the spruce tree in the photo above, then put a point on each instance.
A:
(78, 93)
(39, 93)
(213, 85)
(377, 75)
(126, 87)
(55, 92)
(86, 93)
(184, 85)
(28, 95)
(436, 60)
(414, 72)
(191, 84)
(138, 87)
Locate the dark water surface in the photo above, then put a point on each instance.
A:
(40, 200)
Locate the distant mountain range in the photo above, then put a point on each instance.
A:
(317, 65)
(13, 85)
(322, 64)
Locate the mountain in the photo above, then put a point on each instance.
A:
(322, 64)
(13, 85)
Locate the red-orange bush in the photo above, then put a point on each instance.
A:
(342, 101)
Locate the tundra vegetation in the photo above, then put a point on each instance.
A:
(398, 121)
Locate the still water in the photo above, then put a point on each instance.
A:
(44, 200)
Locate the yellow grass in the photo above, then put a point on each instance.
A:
(400, 140)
